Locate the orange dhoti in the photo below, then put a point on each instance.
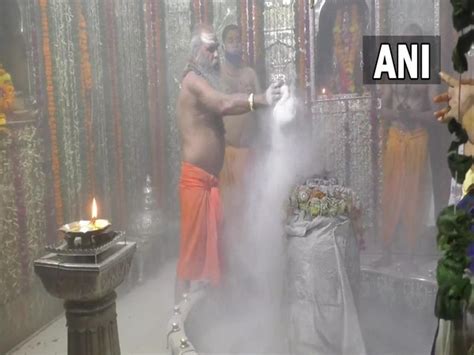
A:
(404, 182)
(201, 218)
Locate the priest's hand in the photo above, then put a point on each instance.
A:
(459, 97)
(273, 93)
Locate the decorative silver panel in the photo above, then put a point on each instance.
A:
(66, 77)
(100, 120)
(312, 66)
(27, 29)
(225, 13)
(132, 89)
(400, 13)
(329, 119)
(279, 32)
(178, 37)
(22, 184)
(342, 128)
(378, 18)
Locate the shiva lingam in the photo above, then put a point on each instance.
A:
(84, 270)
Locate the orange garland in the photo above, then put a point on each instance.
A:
(86, 70)
(7, 95)
(48, 66)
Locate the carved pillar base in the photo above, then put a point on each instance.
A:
(92, 327)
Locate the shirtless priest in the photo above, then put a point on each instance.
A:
(201, 107)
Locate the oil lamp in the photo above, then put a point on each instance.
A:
(84, 271)
(88, 233)
(323, 93)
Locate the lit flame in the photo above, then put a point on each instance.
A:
(324, 91)
(94, 210)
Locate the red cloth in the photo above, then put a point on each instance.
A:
(201, 218)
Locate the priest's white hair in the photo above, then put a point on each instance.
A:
(203, 34)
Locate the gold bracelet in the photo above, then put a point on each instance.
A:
(251, 102)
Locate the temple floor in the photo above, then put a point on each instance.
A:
(143, 315)
(397, 304)
(396, 313)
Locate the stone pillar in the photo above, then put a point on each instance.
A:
(92, 326)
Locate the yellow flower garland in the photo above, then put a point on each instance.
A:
(7, 95)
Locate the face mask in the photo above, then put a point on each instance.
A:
(233, 58)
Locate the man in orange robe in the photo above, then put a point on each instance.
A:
(407, 112)
(200, 108)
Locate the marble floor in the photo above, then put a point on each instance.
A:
(143, 315)
(423, 266)
(143, 312)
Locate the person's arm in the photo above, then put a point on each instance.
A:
(256, 82)
(453, 96)
(220, 103)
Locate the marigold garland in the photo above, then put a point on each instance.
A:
(7, 92)
(86, 69)
(7, 95)
(346, 56)
(48, 68)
